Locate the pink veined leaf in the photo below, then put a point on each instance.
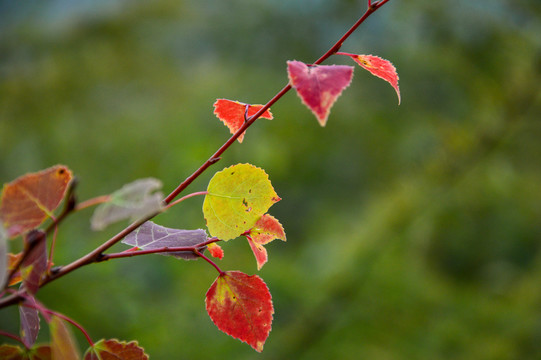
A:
(319, 86)
(151, 236)
(241, 306)
(29, 317)
(232, 114)
(379, 67)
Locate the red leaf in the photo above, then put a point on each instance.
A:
(379, 67)
(232, 114)
(241, 306)
(319, 86)
(216, 250)
(115, 350)
(30, 199)
(266, 229)
(42, 352)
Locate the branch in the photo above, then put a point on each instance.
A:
(97, 254)
(371, 9)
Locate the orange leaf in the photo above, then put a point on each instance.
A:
(241, 306)
(30, 199)
(232, 114)
(216, 250)
(14, 259)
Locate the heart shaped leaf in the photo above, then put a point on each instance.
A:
(319, 86)
(241, 306)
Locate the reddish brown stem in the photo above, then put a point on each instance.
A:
(96, 254)
(92, 202)
(198, 253)
(371, 9)
(186, 197)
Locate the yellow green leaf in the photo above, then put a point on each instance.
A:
(237, 197)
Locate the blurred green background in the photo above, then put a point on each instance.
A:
(414, 232)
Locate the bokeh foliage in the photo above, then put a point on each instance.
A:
(413, 232)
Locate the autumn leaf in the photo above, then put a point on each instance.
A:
(237, 197)
(241, 306)
(41, 352)
(62, 342)
(216, 250)
(265, 230)
(13, 260)
(379, 67)
(319, 86)
(134, 200)
(115, 350)
(11, 352)
(34, 264)
(29, 317)
(232, 114)
(150, 236)
(30, 199)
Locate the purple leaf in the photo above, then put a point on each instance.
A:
(150, 236)
(35, 263)
(29, 322)
(134, 200)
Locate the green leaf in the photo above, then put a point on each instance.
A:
(62, 342)
(237, 197)
(134, 200)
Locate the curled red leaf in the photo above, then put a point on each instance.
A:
(379, 67)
